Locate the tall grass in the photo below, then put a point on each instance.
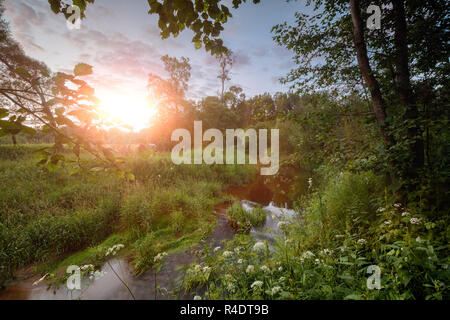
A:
(242, 220)
(45, 216)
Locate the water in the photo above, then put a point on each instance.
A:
(275, 219)
(276, 201)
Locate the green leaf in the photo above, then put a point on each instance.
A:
(28, 130)
(23, 72)
(3, 112)
(82, 69)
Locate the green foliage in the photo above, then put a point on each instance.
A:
(242, 220)
(321, 257)
(45, 216)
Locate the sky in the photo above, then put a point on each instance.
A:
(121, 41)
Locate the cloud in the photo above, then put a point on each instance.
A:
(23, 19)
(241, 60)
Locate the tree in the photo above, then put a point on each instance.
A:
(204, 17)
(61, 104)
(388, 60)
(226, 61)
(171, 92)
(408, 52)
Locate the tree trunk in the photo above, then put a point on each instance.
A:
(404, 88)
(13, 137)
(373, 85)
(366, 71)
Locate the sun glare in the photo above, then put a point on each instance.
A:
(133, 111)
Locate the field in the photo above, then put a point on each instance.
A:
(52, 220)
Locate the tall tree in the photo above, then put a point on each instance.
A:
(226, 61)
(326, 42)
(171, 92)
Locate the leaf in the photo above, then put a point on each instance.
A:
(23, 72)
(28, 130)
(353, 296)
(82, 69)
(55, 5)
(3, 112)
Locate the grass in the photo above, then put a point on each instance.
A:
(347, 224)
(54, 219)
(242, 220)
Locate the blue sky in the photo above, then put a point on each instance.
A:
(122, 42)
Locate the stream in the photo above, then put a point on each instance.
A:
(276, 202)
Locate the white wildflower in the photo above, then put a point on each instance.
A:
(259, 246)
(114, 249)
(227, 254)
(250, 269)
(310, 181)
(197, 298)
(381, 209)
(159, 257)
(405, 214)
(87, 267)
(327, 251)
(317, 261)
(231, 287)
(240, 261)
(387, 222)
(398, 205)
(275, 290)
(362, 242)
(197, 267)
(217, 249)
(256, 285)
(206, 269)
(265, 269)
(280, 269)
(416, 221)
(282, 279)
(308, 254)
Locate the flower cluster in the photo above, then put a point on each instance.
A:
(416, 221)
(256, 285)
(275, 290)
(362, 242)
(265, 269)
(159, 257)
(95, 275)
(259, 246)
(308, 254)
(227, 254)
(114, 249)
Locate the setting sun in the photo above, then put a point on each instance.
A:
(134, 111)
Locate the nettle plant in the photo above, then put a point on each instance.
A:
(62, 104)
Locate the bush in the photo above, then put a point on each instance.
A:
(242, 220)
